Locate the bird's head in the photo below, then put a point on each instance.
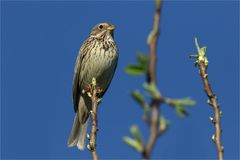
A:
(101, 29)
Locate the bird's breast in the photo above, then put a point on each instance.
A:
(101, 64)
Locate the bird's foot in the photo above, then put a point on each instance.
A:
(87, 88)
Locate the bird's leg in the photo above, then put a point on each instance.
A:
(87, 88)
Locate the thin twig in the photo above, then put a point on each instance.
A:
(151, 78)
(214, 103)
(154, 131)
(152, 42)
(202, 63)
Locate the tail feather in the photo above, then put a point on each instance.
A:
(78, 134)
(79, 129)
(82, 136)
(75, 132)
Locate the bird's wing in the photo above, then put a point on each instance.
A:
(75, 83)
(77, 80)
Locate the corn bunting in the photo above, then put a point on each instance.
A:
(98, 57)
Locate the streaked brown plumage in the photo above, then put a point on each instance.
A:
(97, 58)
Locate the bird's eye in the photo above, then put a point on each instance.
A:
(100, 26)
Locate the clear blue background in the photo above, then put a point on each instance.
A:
(39, 45)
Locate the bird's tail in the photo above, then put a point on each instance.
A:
(78, 134)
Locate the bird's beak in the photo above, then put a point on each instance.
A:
(111, 28)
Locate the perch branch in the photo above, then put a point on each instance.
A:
(93, 135)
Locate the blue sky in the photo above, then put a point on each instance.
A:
(39, 44)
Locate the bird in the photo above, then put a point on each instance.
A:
(97, 58)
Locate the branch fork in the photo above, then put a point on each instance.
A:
(152, 117)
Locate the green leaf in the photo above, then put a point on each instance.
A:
(201, 53)
(158, 4)
(181, 104)
(147, 110)
(196, 44)
(133, 143)
(136, 134)
(135, 69)
(185, 102)
(152, 89)
(150, 36)
(204, 49)
(140, 68)
(138, 97)
(181, 112)
(193, 56)
(163, 123)
(142, 58)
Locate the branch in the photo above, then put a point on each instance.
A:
(151, 79)
(94, 94)
(202, 63)
(154, 131)
(152, 42)
(152, 117)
